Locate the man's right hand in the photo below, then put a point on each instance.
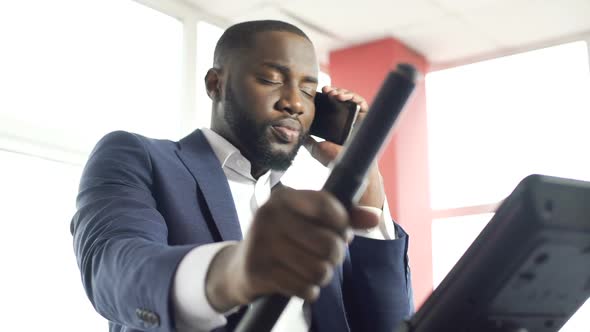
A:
(294, 243)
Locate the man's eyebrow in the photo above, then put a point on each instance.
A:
(286, 71)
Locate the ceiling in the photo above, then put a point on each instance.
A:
(447, 32)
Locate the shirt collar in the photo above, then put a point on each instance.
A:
(230, 157)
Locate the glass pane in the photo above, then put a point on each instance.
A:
(579, 321)
(450, 239)
(73, 70)
(40, 271)
(492, 123)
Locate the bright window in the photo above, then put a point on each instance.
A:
(71, 71)
(40, 269)
(491, 124)
(74, 70)
(447, 247)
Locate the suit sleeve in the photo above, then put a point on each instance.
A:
(120, 239)
(377, 284)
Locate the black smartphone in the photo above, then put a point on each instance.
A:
(333, 119)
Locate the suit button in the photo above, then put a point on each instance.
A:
(140, 313)
(150, 318)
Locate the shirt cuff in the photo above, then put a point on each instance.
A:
(192, 309)
(385, 230)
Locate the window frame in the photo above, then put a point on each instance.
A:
(188, 15)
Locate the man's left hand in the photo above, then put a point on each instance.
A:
(326, 151)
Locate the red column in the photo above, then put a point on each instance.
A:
(404, 163)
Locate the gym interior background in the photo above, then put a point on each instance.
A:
(505, 94)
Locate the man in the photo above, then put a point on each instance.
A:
(181, 236)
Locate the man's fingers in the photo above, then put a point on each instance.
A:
(310, 144)
(363, 218)
(341, 95)
(309, 267)
(318, 241)
(325, 152)
(285, 282)
(345, 95)
(319, 207)
(362, 103)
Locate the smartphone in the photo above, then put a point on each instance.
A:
(334, 119)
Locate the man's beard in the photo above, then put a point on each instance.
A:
(253, 136)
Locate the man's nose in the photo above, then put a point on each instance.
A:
(291, 101)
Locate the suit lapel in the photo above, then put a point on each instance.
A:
(197, 155)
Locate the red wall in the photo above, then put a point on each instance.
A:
(404, 163)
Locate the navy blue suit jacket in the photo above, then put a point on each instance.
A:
(144, 203)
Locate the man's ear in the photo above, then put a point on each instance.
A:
(213, 83)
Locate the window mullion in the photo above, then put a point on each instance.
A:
(465, 210)
(189, 73)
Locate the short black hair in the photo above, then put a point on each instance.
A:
(240, 36)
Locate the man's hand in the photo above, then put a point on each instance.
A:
(325, 152)
(294, 243)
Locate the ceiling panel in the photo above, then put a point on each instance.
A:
(445, 38)
(445, 31)
(458, 6)
(531, 21)
(368, 18)
(227, 8)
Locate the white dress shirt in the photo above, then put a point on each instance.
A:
(193, 312)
